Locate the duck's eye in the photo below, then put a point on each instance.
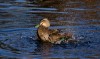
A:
(49, 35)
(41, 23)
(42, 20)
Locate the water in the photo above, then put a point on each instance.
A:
(18, 37)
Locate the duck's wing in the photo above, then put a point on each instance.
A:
(53, 31)
(54, 37)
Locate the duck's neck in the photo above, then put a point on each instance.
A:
(42, 31)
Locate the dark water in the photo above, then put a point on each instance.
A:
(18, 34)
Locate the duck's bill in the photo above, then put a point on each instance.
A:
(37, 26)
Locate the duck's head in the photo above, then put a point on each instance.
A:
(45, 22)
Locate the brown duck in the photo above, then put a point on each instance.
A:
(51, 35)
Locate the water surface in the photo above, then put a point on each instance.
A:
(18, 37)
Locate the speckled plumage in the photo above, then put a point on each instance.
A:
(48, 35)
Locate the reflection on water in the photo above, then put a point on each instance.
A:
(18, 37)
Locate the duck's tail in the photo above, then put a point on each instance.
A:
(67, 35)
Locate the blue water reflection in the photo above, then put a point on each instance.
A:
(18, 38)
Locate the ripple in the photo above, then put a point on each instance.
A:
(45, 9)
(2, 5)
(48, 12)
(18, 37)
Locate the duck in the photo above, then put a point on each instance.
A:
(51, 35)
